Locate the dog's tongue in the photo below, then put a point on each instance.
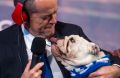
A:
(53, 40)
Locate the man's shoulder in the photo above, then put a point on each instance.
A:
(63, 24)
(9, 30)
(9, 33)
(65, 29)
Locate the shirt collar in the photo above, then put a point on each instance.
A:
(29, 38)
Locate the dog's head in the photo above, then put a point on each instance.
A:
(74, 46)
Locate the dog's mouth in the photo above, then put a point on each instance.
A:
(56, 41)
(95, 50)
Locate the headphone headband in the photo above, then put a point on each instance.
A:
(16, 1)
(18, 15)
(22, 1)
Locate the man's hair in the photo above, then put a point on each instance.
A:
(29, 6)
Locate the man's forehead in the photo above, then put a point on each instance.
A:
(15, 1)
(46, 5)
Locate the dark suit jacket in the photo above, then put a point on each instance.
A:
(13, 55)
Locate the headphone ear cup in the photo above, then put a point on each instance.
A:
(18, 15)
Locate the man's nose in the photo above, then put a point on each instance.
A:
(53, 19)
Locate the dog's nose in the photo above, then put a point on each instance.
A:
(95, 49)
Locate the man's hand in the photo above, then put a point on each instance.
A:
(35, 72)
(116, 52)
(106, 72)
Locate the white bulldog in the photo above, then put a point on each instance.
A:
(76, 51)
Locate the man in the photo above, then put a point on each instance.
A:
(116, 52)
(16, 41)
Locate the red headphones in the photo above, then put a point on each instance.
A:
(19, 16)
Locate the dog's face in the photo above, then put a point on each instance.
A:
(74, 50)
(75, 46)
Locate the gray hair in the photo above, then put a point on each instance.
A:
(29, 6)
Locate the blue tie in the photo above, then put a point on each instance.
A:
(46, 70)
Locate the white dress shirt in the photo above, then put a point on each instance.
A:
(53, 64)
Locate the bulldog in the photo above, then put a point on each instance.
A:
(77, 51)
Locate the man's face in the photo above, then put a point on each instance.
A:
(42, 22)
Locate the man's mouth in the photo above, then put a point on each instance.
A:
(49, 26)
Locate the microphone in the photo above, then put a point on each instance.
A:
(37, 48)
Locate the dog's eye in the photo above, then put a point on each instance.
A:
(72, 40)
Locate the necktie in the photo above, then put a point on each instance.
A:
(46, 70)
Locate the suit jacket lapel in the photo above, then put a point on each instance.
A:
(65, 72)
(22, 49)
